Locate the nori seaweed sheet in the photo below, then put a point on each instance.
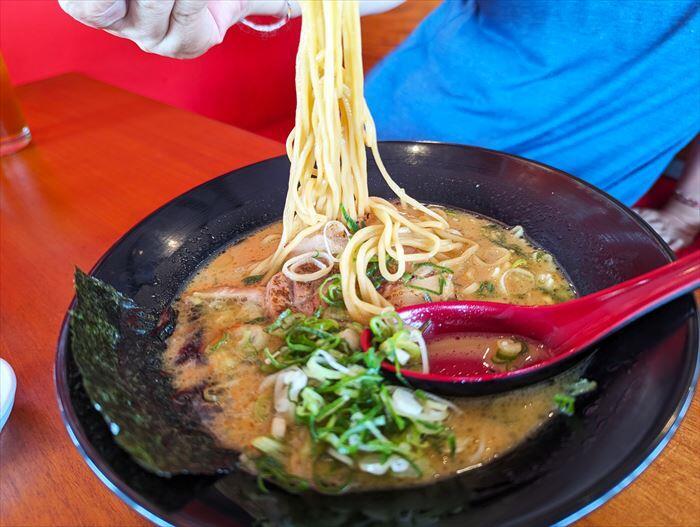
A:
(118, 347)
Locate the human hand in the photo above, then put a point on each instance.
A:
(173, 28)
(184, 29)
(677, 230)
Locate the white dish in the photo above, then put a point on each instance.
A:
(8, 385)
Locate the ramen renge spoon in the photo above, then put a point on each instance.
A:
(567, 329)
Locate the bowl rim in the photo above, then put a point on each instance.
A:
(597, 495)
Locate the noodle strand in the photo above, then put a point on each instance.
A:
(328, 174)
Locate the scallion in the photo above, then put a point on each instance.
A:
(565, 403)
(253, 279)
(331, 291)
(353, 227)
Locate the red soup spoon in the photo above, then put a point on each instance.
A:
(565, 330)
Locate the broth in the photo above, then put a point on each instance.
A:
(219, 343)
(461, 354)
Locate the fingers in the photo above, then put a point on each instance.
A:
(228, 13)
(146, 22)
(96, 13)
(174, 28)
(190, 32)
(197, 25)
(676, 233)
(273, 7)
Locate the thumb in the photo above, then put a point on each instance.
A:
(228, 12)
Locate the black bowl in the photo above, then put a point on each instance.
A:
(645, 373)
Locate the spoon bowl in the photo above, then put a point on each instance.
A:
(568, 330)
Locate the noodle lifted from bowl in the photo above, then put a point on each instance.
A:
(328, 174)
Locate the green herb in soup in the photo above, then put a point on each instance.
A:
(354, 418)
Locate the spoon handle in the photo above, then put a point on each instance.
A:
(606, 311)
(655, 288)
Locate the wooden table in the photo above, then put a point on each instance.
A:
(101, 160)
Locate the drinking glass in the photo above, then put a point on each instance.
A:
(14, 132)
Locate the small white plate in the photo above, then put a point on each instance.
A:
(8, 385)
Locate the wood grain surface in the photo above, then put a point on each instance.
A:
(101, 160)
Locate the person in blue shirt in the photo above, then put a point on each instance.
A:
(608, 90)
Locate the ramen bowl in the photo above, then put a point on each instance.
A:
(645, 373)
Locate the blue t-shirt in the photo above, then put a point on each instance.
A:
(608, 90)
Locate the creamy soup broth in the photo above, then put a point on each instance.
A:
(215, 352)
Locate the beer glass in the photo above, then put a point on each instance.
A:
(14, 132)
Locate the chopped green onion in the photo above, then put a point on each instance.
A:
(274, 362)
(268, 445)
(393, 340)
(223, 340)
(580, 387)
(353, 227)
(277, 324)
(389, 406)
(452, 442)
(509, 349)
(326, 469)
(486, 288)
(565, 403)
(437, 267)
(347, 404)
(310, 403)
(496, 234)
(540, 255)
(441, 271)
(269, 467)
(331, 408)
(384, 326)
(253, 279)
(374, 273)
(441, 286)
(558, 294)
(331, 291)
(496, 358)
(519, 263)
